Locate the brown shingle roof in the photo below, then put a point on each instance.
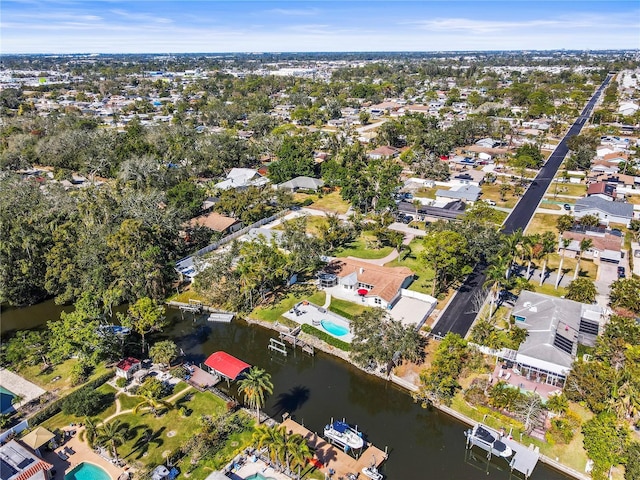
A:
(600, 242)
(386, 281)
(214, 221)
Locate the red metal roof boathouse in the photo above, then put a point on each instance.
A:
(226, 365)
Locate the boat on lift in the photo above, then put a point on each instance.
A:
(344, 435)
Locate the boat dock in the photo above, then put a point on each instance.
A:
(292, 337)
(523, 460)
(333, 458)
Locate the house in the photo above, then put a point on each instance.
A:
(555, 326)
(20, 463)
(302, 183)
(384, 151)
(469, 177)
(602, 190)
(242, 178)
(370, 284)
(628, 108)
(216, 222)
(127, 367)
(605, 247)
(466, 193)
(608, 212)
(488, 143)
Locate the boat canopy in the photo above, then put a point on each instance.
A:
(340, 426)
(226, 365)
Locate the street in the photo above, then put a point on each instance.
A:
(460, 314)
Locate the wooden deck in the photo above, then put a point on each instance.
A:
(333, 457)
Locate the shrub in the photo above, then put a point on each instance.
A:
(84, 403)
(325, 337)
(56, 407)
(121, 382)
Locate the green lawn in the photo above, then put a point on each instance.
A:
(350, 308)
(425, 192)
(273, 313)
(149, 436)
(491, 191)
(543, 222)
(185, 296)
(128, 402)
(62, 419)
(359, 249)
(331, 202)
(572, 189)
(423, 281)
(63, 384)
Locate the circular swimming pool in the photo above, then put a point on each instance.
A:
(87, 471)
(334, 328)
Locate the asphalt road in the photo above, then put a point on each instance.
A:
(460, 313)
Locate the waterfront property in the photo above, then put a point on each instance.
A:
(555, 327)
(13, 386)
(322, 319)
(364, 282)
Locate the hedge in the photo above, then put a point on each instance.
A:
(325, 337)
(55, 407)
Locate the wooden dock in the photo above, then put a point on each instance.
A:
(332, 457)
(292, 338)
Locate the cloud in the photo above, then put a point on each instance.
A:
(295, 12)
(140, 17)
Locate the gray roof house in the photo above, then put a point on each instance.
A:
(554, 327)
(302, 183)
(609, 212)
(467, 193)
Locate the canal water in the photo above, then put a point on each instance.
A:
(422, 443)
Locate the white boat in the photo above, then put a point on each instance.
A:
(372, 472)
(489, 440)
(343, 434)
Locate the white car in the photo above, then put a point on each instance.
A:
(490, 202)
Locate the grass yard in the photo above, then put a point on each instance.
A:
(342, 307)
(185, 296)
(633, 199)
(360, 249)
(491, 191)
(149, 436)
(331, 202)
(548, 289)
(542, 222)
(423, 281)
(273, 313)
(45, 379)
(425, 192)
(571, 189)
(313, 223)
(587, 267)
(62, 419)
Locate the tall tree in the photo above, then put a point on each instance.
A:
(564, 243)
(113, 435)
(447, 252)
(255, 385)
(548, 245)
(143, 317)
(585, 244)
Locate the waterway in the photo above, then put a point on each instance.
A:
(423, 443)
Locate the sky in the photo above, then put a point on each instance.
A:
(183, 26)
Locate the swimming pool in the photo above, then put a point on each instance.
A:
(87, 471)
(259, 476)
(6, 399)
(334, 328)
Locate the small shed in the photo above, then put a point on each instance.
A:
(226, 365)
(126, 367)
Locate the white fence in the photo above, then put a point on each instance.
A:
(23, 425)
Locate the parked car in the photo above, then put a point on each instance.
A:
(408, 196)
(407, 219)
(566, 206)
(621, 272)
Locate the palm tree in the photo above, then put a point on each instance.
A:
(529, 243)
(91, 429)
(495, 279)
(585, 244)
(564, 242)
(510, 245)
(548, 243)
(113, 435)
(296, 451)
(152, 403)
(271, 438)
(254, 386)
